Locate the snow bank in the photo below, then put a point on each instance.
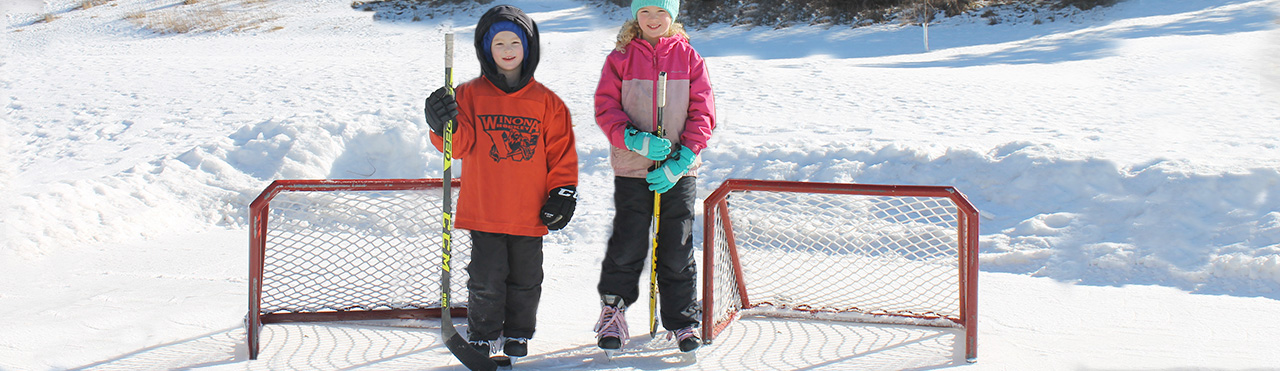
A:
(114, 146)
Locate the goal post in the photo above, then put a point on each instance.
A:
(837, 251)
(348, 249)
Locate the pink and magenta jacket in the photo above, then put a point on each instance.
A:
(627, 94)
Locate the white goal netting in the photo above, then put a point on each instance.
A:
(842, 252)
(326, 250)
(357, 250)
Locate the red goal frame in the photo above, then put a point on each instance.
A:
(967, 232)
(259, 211)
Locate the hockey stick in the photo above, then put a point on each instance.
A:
(657, 207)
(452, 340)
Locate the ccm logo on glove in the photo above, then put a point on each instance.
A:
(559, 207)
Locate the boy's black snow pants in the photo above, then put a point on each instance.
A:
(505, 285)
(629, 245)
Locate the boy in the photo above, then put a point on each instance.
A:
(517, 142)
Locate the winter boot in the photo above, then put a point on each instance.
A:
(611, 329)
(481, 346)
(516, 347)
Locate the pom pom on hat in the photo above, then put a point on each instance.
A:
(671, 6)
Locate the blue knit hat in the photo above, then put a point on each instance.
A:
(671, 6)
(497, 28)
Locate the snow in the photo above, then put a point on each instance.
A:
(1125, 161)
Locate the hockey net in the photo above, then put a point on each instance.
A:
(868, 253)
(333, 250)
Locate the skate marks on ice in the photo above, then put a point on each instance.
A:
(222, 347)
(644, 352)
(299, 346)
(785, 344)
(749, 343)
(788, 344)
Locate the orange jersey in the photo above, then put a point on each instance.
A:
(515, 148)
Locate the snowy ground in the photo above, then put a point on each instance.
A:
(1125, 161)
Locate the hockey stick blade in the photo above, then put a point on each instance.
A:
(468, 355)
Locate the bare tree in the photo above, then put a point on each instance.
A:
(923, 12)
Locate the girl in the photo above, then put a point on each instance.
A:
(644, 163)
(521, 175)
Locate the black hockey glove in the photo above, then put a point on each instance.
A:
(559, 207)
(441, 107)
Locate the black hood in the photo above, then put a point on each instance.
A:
(490, 69)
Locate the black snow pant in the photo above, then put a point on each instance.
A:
(629, 245)
(505, 285)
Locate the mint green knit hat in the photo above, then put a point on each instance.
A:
(671, 6)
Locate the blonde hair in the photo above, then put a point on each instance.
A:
(631, 31)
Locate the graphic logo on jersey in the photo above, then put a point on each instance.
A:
(514, 138)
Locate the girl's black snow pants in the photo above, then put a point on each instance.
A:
(628, 248)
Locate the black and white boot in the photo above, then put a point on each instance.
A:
(486, 347)
(515, 348)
